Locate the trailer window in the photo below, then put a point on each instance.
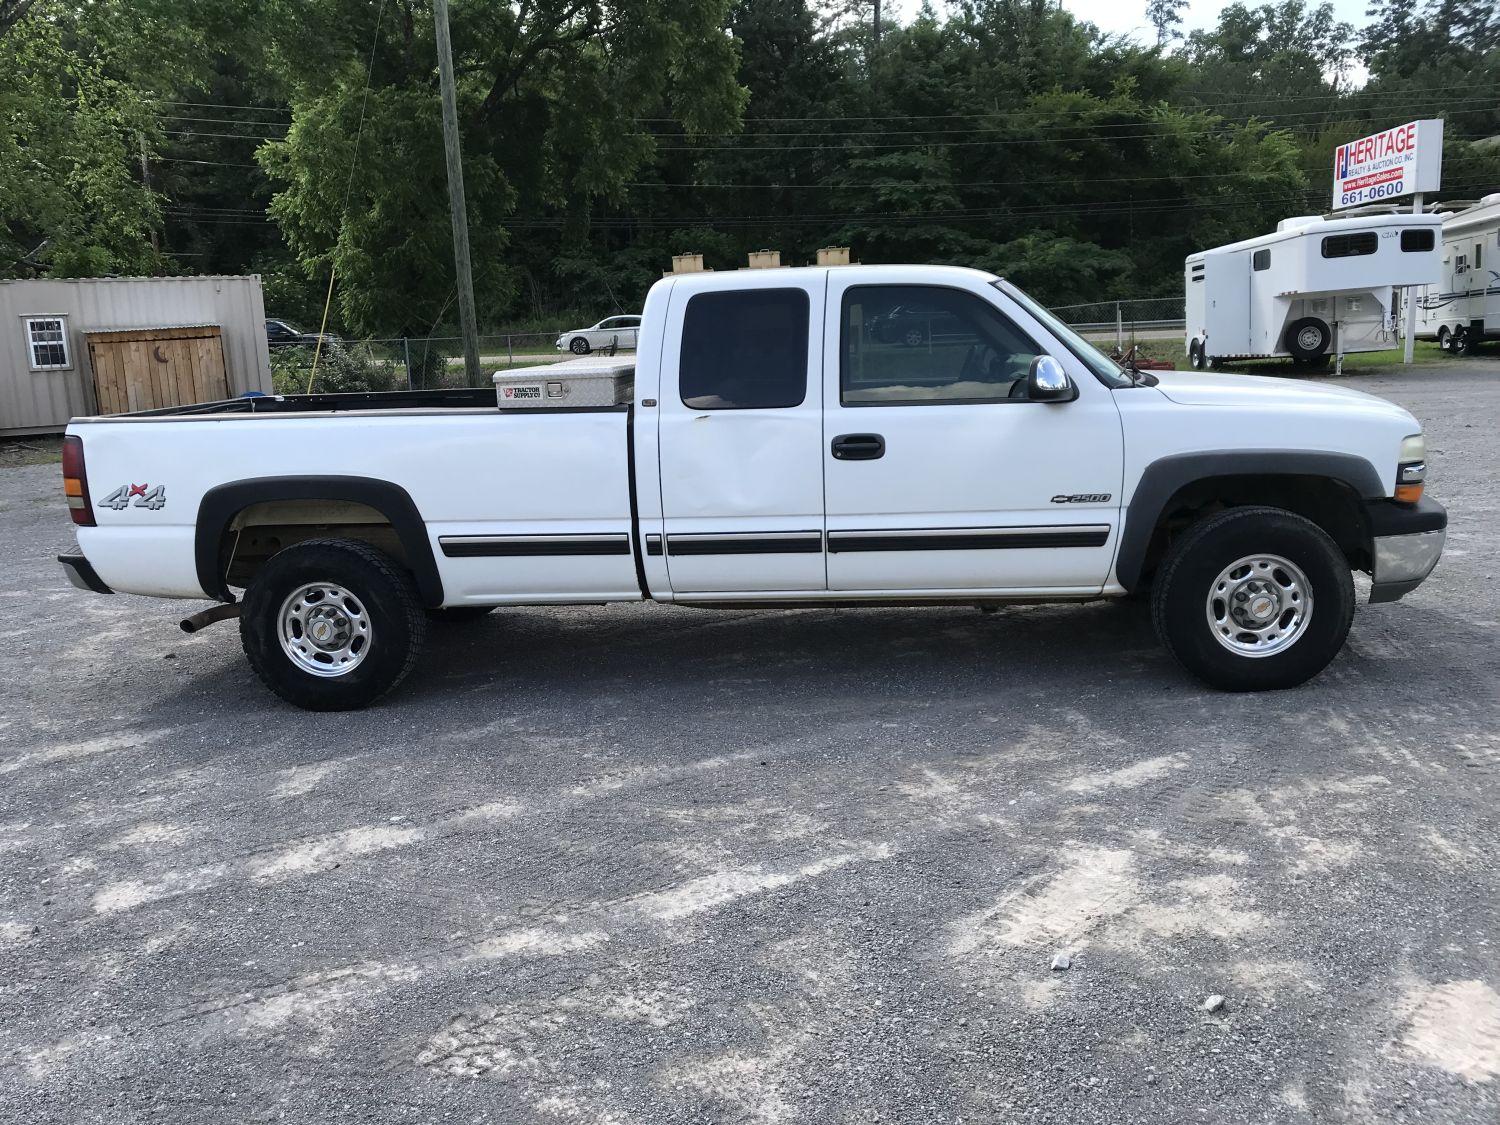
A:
(925, 345)
(46, 342)
(1354, 245)
(1260, 260)
(1415, 241)
(744, 350)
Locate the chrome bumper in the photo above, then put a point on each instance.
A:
(1402, 561)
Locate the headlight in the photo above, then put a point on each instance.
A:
(1411, 469)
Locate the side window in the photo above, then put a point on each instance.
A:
(46, 342)
(1413, 241)
(1355, 245)
(1261, 260)
(922, 345)
(744, 350)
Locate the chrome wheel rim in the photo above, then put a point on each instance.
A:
(1259, 605)
(324, 629)
(1309, 339)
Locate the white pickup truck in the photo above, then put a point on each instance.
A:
(777, 449)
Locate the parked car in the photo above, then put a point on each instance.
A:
(754, 464)
(281, 333)
(622, 330)
(913, 325)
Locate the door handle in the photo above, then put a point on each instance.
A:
(858, 447)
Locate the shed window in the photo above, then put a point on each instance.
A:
(1415, 241)
(1260, 260)
(46, 342)
(1353, 245)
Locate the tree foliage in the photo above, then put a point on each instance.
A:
(302, 137)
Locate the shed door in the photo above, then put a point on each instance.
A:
(146, 369)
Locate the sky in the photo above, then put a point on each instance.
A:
(1130, 15)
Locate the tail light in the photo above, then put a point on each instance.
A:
(76, 482)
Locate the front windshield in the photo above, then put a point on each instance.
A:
(1105, 369)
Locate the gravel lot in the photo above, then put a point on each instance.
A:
(653, 865)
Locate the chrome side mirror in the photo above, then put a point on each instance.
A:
(1048, 382)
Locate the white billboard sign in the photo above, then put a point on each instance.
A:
(1391, 163)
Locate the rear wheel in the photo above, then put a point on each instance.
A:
(331, 624)
(1254, 599)
(1459, 344)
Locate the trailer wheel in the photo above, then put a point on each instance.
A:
(1253, 599)
(1444, 339)
(1460, 342)
(1197, 356)
(332, 624)
(579, 346)
(1308, 338)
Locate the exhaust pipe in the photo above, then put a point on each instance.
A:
(209, 616)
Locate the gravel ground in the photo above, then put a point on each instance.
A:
(651, 865)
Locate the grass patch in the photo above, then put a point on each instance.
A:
(31, 451)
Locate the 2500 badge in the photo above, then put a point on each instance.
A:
(143, 495)
(1082, 498)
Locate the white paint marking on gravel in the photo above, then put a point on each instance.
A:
(1455, 1026)
(1128, 777)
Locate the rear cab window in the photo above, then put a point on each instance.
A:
(744, 350)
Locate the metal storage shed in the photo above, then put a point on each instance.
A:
(47, 326)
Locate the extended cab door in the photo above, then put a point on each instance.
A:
(741, 435)
(940, 474)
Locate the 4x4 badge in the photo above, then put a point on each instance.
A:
(143, 494)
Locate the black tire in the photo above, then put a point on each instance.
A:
(1307, 339)
(914, 337)
(1180, 599)
(1444, 338)
(459, 614)
(579, 346)
(385, 598)
(1460, 343)
(1196, 359)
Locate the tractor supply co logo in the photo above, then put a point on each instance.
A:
(523, 392)
(141, 495)
(1388, 164)
(1083, 498)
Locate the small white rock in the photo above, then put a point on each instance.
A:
(1062, 962)
(1213, 1003)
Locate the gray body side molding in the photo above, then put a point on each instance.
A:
(1164, 477)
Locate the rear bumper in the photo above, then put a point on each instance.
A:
(1407, 540)
(82, 574)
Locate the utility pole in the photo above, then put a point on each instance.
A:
(456, 196)
(1408, 352)
(875, 26)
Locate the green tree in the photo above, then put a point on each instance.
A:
(1166, 17)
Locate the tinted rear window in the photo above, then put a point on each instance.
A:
(1350, 245)
(1415, 240)
(744, 350)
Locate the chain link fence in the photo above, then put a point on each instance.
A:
(1119, 322)
(430, 362)
(402, 363)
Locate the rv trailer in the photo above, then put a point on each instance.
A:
(1463, 308)
(1314, 288)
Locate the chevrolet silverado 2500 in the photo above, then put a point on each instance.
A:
(777, 449)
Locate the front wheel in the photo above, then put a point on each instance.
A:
(579, 346)
(331, 624)
(1254, 599)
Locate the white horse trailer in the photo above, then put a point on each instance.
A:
(1463, 308)
(1316, 287)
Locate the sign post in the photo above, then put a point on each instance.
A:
(1406, 160)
